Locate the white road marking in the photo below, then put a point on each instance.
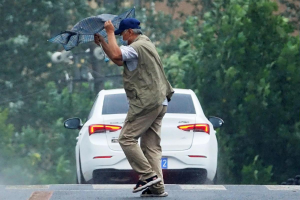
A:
(283, 187)
(202, 187)
(17, 187)
(41, 195)
(109, 190)
(113, 186)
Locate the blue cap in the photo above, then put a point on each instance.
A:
(127, 24)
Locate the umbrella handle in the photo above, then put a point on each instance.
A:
(106, 59)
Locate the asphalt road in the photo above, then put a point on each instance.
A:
(180, 192)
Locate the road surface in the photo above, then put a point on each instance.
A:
(180, 192)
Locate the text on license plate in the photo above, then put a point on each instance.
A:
(164, 163)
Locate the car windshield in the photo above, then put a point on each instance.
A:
(118, 104)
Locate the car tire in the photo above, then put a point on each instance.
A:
(199, 179)
(82, 181)
(215, 180)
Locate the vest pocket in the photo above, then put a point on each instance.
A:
(145, 77)
(131, 94)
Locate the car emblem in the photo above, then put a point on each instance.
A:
(183, 122)
(116, 122)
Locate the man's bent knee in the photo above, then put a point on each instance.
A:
(126, 141)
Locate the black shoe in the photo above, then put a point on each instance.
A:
(148, 193)
(147, 183)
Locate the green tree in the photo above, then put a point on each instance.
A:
(242, 63)
(292, 12)
(43, 154)
(25, 63)
(6, 142)
(257, 173)
(34, 91)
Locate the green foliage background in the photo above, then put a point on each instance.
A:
(240, 58)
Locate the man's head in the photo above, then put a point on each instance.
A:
(129, 29)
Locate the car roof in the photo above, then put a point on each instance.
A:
(121, 90)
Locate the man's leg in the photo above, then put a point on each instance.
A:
(128, 140)
(150, 144)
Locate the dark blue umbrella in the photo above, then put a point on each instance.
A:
(84, 30)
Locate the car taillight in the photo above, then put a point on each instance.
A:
(102, 128)
(195, 127)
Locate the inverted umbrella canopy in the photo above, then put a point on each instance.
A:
(84, 30)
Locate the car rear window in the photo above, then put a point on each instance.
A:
(182, 104)
(118, 104)
(115, 104)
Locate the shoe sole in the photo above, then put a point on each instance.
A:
(165, 194)
(147, 185)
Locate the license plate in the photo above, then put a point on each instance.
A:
(164, 163)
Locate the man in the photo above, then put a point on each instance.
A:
(148, 92)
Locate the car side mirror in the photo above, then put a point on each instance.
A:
(73, 123)
(216, 121)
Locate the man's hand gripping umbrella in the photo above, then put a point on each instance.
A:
(111, 48)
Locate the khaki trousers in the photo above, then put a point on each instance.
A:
(146, 158)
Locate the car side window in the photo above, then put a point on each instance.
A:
(93, 108)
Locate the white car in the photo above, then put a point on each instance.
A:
(188, 140)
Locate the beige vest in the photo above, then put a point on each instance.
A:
(147, 86)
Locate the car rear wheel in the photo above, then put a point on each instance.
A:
(112, 176)
(200, 179)
(82, 181)
(215, 180)
(185, 176)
